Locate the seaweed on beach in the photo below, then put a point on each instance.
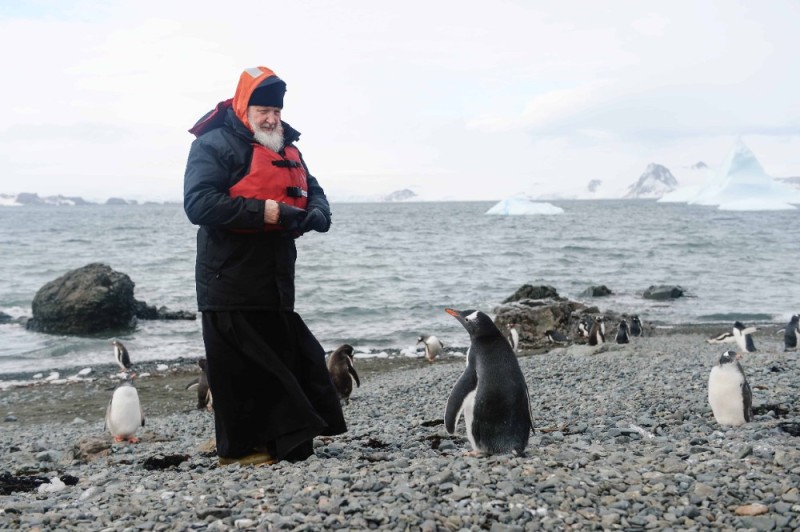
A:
(164, 461)
(11, 483)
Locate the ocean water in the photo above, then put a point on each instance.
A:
(385, 272)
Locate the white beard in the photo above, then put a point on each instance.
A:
(270, 139)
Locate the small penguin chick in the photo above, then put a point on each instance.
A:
(342, 371)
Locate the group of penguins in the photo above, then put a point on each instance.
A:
(729, 393)
(491, 393)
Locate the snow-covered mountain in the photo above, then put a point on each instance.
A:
(656, 181)
(400, 195)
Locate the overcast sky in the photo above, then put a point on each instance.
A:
(453, 99)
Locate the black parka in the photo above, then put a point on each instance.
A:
(235, 270)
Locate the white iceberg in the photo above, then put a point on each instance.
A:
(741, 184)
(520, 205)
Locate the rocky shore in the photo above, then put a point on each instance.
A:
(624, 439)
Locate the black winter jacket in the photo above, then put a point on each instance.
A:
(238, 271)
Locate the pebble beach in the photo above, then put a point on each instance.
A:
(624, 439)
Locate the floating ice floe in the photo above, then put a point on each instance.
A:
(520, 205)
(162, 367)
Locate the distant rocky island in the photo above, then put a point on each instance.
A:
(31, 198)
(400, 195)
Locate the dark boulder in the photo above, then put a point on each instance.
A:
(597, 291)
(87, 300)
(663, 292)
(150, 312)
(93, 299)
(527, 291)
(534, 317)
(5, 318)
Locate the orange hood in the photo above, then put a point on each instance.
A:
(248, 82)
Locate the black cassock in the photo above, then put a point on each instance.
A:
(270, 384)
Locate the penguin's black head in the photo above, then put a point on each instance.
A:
(202, 363)
(794, 319)
(738, 325)
(635, 319)
(344, 350)
(728, 357)
(474, 321)
(420, 339)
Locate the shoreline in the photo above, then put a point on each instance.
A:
(162, 383)
(624, 439)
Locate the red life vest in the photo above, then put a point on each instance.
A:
(271, 176)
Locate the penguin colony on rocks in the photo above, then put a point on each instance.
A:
(491, 394)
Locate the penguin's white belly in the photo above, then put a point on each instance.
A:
(468, 409)
(125, 416)
(514, 339)
(725, 395)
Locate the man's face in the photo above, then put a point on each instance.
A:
(266, 119)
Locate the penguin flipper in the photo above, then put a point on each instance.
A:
(195, 382)
(530, 408)
(466, 383)
(352, 371)
(108, 415)
(747, 399)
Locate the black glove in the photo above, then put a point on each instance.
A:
(317, 221)
(290, 217)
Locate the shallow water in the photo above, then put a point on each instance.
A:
(385, 272)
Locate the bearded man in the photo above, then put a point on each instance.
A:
(248, 188)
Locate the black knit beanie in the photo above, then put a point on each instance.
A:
(269, 93)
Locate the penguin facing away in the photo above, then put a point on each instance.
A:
(729, 393)
(597, 334)
(491, 393)
(343, 373)
(623, 332)
(636, 326)
(433, 347)
(204, 399)
(791, 334)
(124, 414)
(744, 337)
(121, 355)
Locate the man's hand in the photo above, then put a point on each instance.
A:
(316, 221)
(271, 212)
(290, 217)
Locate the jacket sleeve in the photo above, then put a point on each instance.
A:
(316, 196)
(205, 189)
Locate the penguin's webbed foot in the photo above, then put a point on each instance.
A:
(473, 453)
(133, 439)
(119, 438)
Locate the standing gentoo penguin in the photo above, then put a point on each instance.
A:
(433, 346)
(121, 355)
(340, 366)
(513, 336)
(204, 399)
(124, 414)
(636, 326)
(555, 337)
(597, 334)
(623, 333)
(791, 334)
(728, 391)
(491, 393)
(744, 337)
